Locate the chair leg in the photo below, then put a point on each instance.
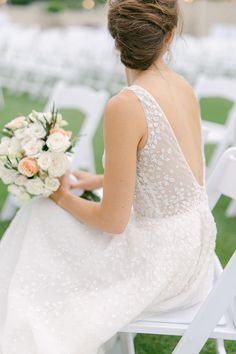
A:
(231, 210)
(127, 340)
(9, 209)
(220, 347)
(2, 102)
(219, 150)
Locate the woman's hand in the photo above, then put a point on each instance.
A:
(63, 190)
(87, 181)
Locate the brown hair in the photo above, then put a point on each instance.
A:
(139, 28)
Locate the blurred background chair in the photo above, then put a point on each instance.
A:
(1, 97)
(91, 103)
(221, 135)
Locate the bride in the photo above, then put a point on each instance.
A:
(74, 272)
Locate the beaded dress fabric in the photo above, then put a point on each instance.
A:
(67, 288)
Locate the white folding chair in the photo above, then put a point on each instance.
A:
(216, 316)
(203, 325)
(223, 135)
(90, 102)
(2, 102)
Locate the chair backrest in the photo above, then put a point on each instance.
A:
(220, 87)
(223, 31)
(210, 312)
(83, 98)
(222, 296)
(216, 87)
(91, 103)
(222, 180)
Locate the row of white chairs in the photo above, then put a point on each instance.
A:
(32, 59)
(223, 30)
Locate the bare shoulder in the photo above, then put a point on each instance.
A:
(186, 88)
(125, 109)
(124, 119)
(124, 102)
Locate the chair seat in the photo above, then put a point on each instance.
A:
(214, 132)
(176, 322)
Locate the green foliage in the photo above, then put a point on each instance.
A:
(55, 6)
(20, 2)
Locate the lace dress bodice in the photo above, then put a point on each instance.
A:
(165, 184)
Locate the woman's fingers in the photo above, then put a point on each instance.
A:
(79, 174)
(77, 185)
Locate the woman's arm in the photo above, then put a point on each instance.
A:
(87, 180)
(123, 129)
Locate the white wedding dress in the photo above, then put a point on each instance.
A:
(67, 288)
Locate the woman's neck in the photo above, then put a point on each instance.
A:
(133, 75)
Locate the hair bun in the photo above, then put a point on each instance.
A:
(139, 28)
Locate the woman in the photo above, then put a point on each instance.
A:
(74, 272)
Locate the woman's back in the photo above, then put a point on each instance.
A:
(170, 164)
(176, 99)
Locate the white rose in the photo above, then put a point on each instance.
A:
(15, 160)
(37, 130)
(25, 140)
(40, 117)
(43, 175)
(58, 142)
(34, 186)
(14, 147)
(35, 116)
(4, 146)
(8, 176)
(21, 180)
(60, 122)
(59, 165)
(17, 123)
(45, 160)
(22, 198)
(15, 190)
(63, 123)
(22, 133)
(47, 192)
(52, 184)
(33, 147)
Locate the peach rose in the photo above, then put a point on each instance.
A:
(16, 123)
(62, 131)
(28, 167)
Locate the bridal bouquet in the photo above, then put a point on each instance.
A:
(33, 154)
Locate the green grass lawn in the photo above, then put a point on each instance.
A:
(226, 240)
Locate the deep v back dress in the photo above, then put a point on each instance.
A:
(66, 288)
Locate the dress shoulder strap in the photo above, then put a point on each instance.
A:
(144, 97)
(152, 111)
